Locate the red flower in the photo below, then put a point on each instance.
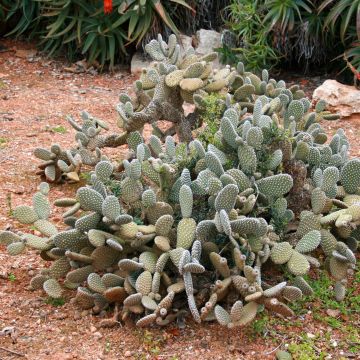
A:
(107, 6)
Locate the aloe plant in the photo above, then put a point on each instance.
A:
(30, 11)
(284, 13)
(344, 11)
(142, 13)
(89, 28)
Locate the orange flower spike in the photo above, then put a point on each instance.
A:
(107, 6)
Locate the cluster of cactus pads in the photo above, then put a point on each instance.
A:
(217, 230)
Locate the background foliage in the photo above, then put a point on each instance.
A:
(80, 27)
(304, 33)
(264, 33)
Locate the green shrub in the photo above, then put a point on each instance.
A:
(214, 108)
(246, 21)
(272, 32)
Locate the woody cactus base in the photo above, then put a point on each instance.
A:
(199, 227)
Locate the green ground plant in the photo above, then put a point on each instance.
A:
(12, 277)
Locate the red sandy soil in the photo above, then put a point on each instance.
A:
(35, 97)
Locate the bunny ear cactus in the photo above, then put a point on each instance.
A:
(174, 78)
(62, 164)
(163, 88)
(179, 227)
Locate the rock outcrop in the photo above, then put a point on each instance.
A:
(345, 99)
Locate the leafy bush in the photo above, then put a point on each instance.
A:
(292, 31)
(246, 21)
(210, 117)
(199, 227)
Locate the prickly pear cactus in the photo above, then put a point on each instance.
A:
(187, 227)
(59, 164)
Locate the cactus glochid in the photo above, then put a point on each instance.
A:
(186, 227)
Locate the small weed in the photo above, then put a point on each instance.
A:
(324, 294)
(333, 322)
(115, 187)
(85, 176)
(152, 343)
(9, 204)
(12, 277)
(107, 346)
(59, 129)
(259, 326)
(306, 349)
(3, 142)
(211, 118)
(324, 299)
(55, 302)
(138, 221)
(352, 338)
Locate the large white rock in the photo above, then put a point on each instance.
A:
(344, 99)
(207, 41)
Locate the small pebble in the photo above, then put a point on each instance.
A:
(98, 335)
(92, 328)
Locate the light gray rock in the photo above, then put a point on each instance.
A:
(138, 62)
(185, 43)
(344, 99)
(207, 41)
